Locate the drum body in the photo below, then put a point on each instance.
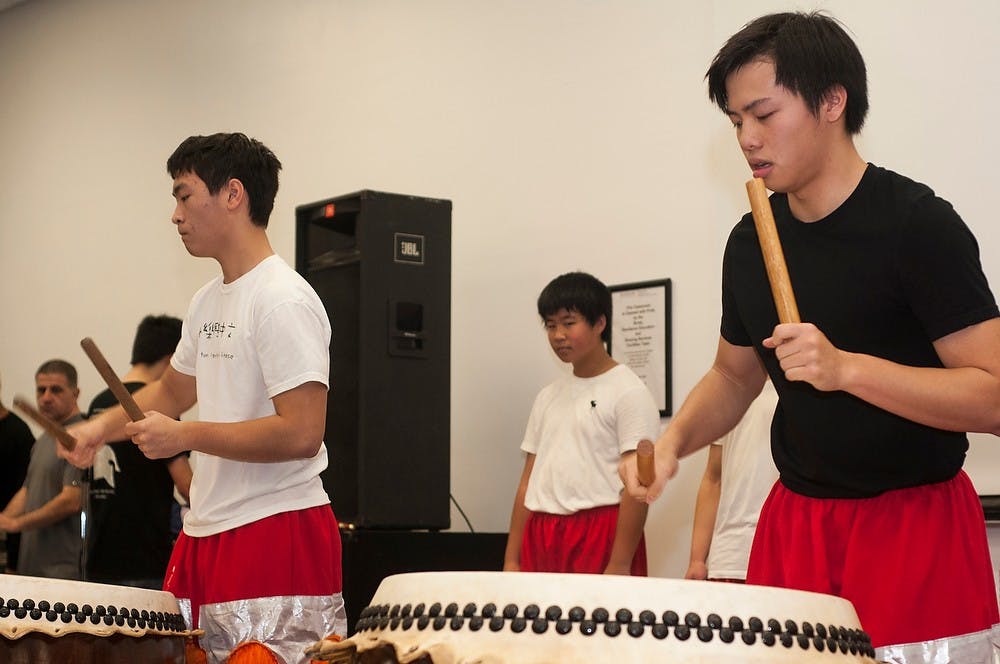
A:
(53, 621)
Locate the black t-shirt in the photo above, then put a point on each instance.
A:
(16, 440)
(131, 498)
(891, 270)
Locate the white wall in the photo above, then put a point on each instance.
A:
(568, 133)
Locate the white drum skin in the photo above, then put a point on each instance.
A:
(508, 618)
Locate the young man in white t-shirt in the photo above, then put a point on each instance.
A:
(261, 539)
(568, 514)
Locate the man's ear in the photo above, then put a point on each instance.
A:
(834, 103)
(235, 193)
(601, 323)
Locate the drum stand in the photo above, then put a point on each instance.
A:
(88, 478)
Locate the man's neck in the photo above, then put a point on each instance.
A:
(145, 373)
(246, 252)
(139, 373)
(839, 177)
(594, 365)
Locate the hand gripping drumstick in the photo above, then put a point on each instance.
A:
(111, 378)
(54, 428)
(645, 462)
(774, 258)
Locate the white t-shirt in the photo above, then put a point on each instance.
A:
(578, 429)
(246, 342)
(748, 473)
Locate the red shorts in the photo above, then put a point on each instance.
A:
(579, 543)
(288, 554)
(914, 562)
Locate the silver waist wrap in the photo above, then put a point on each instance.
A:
(287, 625)
(976, 648)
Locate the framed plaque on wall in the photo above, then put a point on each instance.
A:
(640, 335)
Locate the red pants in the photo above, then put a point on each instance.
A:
(578, 543)
(292, 553)
(914, 562)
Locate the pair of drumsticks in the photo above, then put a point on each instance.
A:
(114, 384)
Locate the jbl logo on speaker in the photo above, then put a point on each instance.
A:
(409, 248)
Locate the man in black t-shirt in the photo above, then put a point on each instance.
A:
(898, 357)
(131, 498)
(16, 440)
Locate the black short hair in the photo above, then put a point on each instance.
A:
(156, 337)
(811, 53)
(220, 157)
(59, 367)
(579, 292)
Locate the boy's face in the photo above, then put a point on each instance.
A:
(571, 336)
(783, 142)
(199, 216)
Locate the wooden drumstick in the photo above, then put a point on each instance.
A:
(774, 258)
(111, 378)
(645, 462)
(54, 428)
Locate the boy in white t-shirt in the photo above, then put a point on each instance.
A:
(259, 558)
(569, 515)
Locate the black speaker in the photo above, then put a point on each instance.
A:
(381, 264)
(371, 555)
